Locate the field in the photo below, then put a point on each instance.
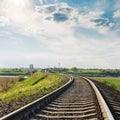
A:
(88, 72)
(14, 71)
(37, 83)
(113, 82)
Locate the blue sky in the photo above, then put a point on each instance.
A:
(81, 33)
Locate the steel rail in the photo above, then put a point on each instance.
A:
(25, 111)
(104, 107)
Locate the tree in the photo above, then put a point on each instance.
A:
(74, 69)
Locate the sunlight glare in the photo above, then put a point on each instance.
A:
(18, 2)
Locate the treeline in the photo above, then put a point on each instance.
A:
(72, 71)
(14, 71)
(87, 72)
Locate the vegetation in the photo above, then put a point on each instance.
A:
(73, 71)
(14, 71)
(6, 82)
(88, 72)
(113, 82)
(38, 83)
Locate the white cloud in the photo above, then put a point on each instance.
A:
(33, 20)
(4, 33)
(53, 26)
(69, 52)
(117, 14)
(86, 20)
(72, 17)
(17, 42)
(17, 12)
(3, 21)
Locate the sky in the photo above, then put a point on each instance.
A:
(64, 33)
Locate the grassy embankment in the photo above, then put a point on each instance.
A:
(113, 82)
(38, 83)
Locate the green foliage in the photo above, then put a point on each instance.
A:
(113, 82)
(13, 71)
(38, 83)
(88, 72)
(34, 78)
(74, 69)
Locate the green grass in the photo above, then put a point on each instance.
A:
(39, 83)
(113, 82)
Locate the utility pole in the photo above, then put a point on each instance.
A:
(59, 67)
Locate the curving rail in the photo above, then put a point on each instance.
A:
(104, 107)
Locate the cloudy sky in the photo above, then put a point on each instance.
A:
(81, 33)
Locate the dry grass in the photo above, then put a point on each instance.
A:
(7, 82)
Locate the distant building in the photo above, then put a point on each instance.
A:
(46, 71)
(31, 68)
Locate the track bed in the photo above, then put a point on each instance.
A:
(78, 102)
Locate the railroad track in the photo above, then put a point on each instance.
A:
(77, 100)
